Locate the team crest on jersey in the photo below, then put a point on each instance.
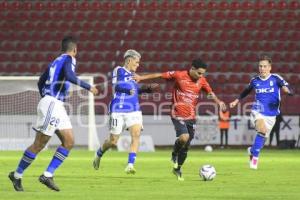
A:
(271, 83)
(172, 72)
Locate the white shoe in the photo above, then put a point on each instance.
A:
(254, 163)
(96, 162)
(130, 169)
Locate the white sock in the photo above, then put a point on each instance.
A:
(48, 174)
(17, 175)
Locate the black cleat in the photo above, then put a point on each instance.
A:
(49, 182)
(174, 160)
(178, 174)
(17, 182)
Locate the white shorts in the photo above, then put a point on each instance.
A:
(118, 122)
(269, 120)
(52, 116)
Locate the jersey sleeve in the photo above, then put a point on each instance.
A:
(247, 90)
(280, 81)
(118, 81)
(170, 75)
(205, 86)
(42, 80)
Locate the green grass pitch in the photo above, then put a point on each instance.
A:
(278, 177)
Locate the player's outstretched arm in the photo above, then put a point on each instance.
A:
(149, 88)
(234, 103)
(71, 76)
(242, 95)
(139, 78)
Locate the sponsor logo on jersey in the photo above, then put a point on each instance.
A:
(264, 90)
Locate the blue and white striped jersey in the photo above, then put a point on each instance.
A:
(267, 94)
(123, 83)
(55, 81)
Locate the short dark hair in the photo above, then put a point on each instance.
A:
(198, 63)
(67, 44)
(265, 57)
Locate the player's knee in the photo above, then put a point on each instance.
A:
(184, 138)
(68, 144)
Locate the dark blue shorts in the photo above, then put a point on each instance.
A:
(184, 127)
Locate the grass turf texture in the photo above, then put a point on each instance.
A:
(278, 176)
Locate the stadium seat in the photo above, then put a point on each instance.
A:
(95, 5)
(295, 36)
(188, 5)
(223, 5)
(172, 16)
(294, 5)
(215, 57)
(199, 6)
(252, 57)
(161, 15)
(153, 6)
(184, 15)
(130, 6)
(282, 36)
(267, 15)
(290, 16)
(259, 35)
(212, 5)
(258, 5)
(38, 6)
(270, 5)
(234, 5)
(142, 5)
(149, 15)
(263, 26)
(219, 15)
(27, 6)
(4, 5)
(219, 46)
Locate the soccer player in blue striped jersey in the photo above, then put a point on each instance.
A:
(52, 118)
(125, 110)
(266, 107)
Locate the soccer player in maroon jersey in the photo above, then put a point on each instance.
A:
(186, 91)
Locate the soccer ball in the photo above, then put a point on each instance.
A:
(208, 148)
(207, 172)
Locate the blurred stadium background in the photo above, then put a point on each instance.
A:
(228, 35)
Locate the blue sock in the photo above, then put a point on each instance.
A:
(27, 159)
(258, 144)
(131, 157)
(60, 155)
(100, 152)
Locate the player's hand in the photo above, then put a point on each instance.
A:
(137, 78)
(94, 90)
(222, 105)
(234, 103)
(154, 87)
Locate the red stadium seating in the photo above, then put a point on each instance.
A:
(228, 35)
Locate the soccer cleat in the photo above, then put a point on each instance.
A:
(130, 169)
(49, 182)
(254, 163)
(178, 174)
(17, 182)
(96, 162)
(174, 160)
